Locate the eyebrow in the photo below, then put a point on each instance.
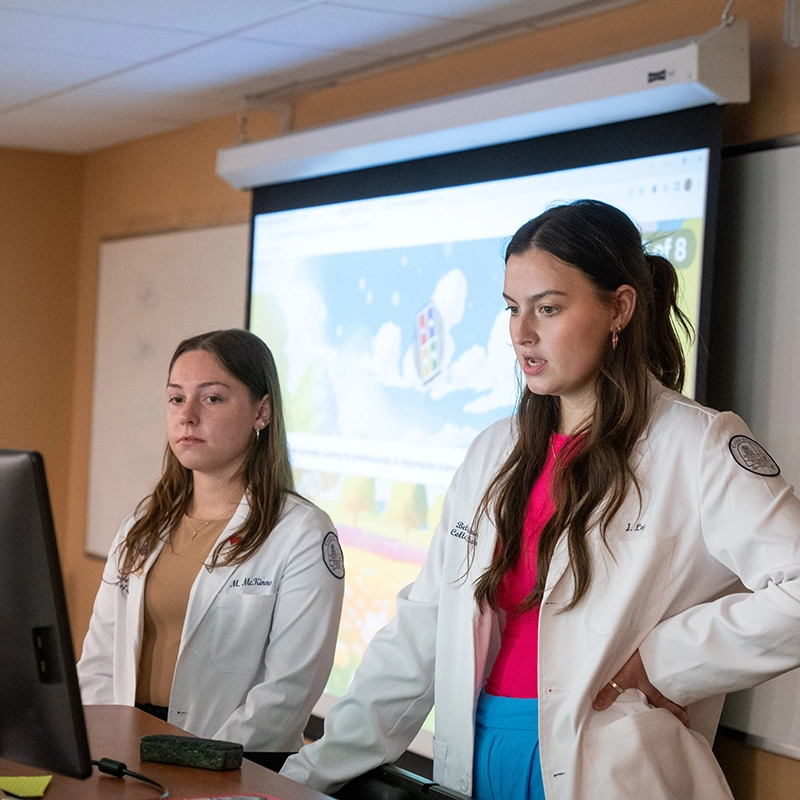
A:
(535, 298)
(204, 385)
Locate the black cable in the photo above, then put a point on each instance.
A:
(119, 770)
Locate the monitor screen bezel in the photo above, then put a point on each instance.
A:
(41, 715)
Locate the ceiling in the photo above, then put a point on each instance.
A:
(80, 75)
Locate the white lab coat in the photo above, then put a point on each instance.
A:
(258, 639)
(671, 586)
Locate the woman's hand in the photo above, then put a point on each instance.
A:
(633, 676)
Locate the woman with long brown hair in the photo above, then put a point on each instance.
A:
(610, 562)
(220, 600)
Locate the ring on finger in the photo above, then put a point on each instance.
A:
(617, 686)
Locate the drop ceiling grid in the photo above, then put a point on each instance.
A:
(78, 75)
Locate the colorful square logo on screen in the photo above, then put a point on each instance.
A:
(429, 345)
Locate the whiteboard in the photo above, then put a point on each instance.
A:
(153, 292)
(758, 275)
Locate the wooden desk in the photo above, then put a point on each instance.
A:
(115, 731)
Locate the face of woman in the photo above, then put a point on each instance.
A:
(560, 329)
(211, 416)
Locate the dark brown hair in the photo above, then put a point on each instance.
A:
(593, 474)
(266, 470)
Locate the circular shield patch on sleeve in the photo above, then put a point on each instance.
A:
(332, 555)
(750, 455)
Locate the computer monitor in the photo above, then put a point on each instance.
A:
(41, 716)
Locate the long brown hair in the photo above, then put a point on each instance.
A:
(266, 471)
(593, 474)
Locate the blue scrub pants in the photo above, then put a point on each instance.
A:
(506, 763)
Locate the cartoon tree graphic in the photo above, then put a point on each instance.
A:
(408, 506)
(357, 495)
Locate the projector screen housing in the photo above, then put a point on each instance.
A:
(711, 68)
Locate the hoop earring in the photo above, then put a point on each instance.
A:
(615, 338)
(258, 433)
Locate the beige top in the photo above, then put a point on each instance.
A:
(166, 598)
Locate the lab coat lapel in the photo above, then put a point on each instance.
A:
(481, 638)
(484, 619)
(559, 563)
(135, 610)
(208, 584)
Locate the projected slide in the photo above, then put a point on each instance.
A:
(391, 336)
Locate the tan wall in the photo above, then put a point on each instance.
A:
(168, 182)
(39, 229)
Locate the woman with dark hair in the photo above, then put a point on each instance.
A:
(220, 600)
(610, 562)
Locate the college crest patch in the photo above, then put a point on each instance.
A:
(750, 455)
(332, 555)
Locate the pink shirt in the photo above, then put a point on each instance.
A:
(515, 672)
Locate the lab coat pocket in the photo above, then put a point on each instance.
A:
(651, 754)
(241, 625)
(628, 584)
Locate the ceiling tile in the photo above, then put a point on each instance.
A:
(65, 36)
(223, 62)
(223, 76)
(203, 16)
(125, 96)
(27, 76)
(341, 27)
(144, 66)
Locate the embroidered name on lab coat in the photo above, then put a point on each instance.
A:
(236, 583)
(462, 531)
